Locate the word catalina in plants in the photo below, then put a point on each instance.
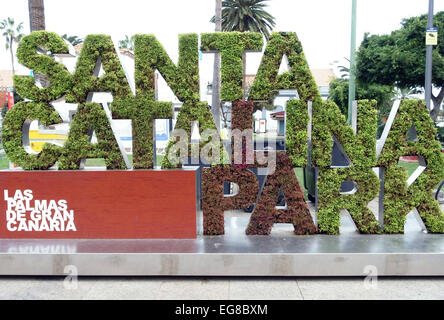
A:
(326, 123)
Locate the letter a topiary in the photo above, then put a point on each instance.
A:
(268, 81)
(91, 117)
(98, 50)
(265, 214)
(400, 199)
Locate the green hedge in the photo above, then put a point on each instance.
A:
(296, 133)
(242, 119)
(361, 150)
(59, 77)
(189, 113)
(399, 199)
(89, 117)
(214, 203)
(142, 111)
(12, 135)
(232, 46)
(265, 214)
(183, 79)
(98, 47)
(268, 81)
(331, 201)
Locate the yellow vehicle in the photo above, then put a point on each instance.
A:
(39, 136)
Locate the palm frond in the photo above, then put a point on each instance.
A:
(246, 15)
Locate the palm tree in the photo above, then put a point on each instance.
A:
(128, 43)
(36, 15)
(405, 93)
(246, 15)
(74, 40)
(13, 34)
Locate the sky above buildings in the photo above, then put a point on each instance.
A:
(323, 26)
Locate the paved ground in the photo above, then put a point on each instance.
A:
(222, 288)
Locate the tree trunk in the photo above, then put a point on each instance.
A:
(434, 113)
(215, 105)
(36, 15)
(11, 42)
(37, 23)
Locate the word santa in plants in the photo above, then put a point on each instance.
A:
(325, 119)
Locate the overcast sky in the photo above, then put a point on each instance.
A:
(323, 26)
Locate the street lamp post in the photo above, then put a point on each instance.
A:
(429, 60)
(352, 81)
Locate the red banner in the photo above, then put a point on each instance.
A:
(98, 205)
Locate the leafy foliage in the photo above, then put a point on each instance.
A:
(331, 200)
(399, 58)
(400, 199)
(183, 80)
(60, 80)
(296, 133)
(13, 34)
(246, 15)
(91, 116)
(74, 40)
(360, 148)
(127, 43)
(268, 81)
(365, 91)
(12, 135)
(98, 48)
(232, 46)
(265, 214)
(213, 201)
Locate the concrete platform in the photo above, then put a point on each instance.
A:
(282, 254)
